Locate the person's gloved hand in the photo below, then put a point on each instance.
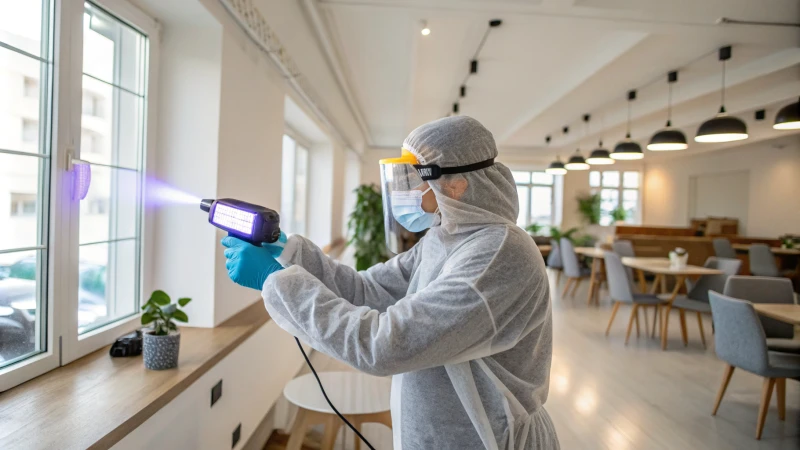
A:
(249, 265)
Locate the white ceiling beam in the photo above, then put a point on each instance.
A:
(333, 58)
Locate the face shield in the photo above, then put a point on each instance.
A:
(403, 180)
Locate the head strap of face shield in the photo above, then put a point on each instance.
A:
(433, 172)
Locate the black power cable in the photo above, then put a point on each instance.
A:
(324, 394)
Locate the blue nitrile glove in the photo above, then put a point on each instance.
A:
(249, 265)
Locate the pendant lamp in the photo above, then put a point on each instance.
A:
(576, 162)
(669, 138)
(788, 117)
(600, 156)
(628, 149)
(556, 167)
(722, 128)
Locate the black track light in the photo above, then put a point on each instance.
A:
(463, 92)
(473, 66)
(455, 108)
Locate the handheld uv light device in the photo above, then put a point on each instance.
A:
(251, 223)
(257, 225)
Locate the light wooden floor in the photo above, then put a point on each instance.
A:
(605, 395)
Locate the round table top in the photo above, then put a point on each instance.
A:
(351, 392)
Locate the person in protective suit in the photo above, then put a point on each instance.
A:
(462, 321)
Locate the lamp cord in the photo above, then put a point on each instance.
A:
(324, 394)
(723, 85)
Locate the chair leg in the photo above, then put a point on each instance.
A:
(558, 276)
(578, 282)
(613, 315)
(726, 378)
(700, 325)
(630, 323)
(665, 327)
(638, 332)
(780, 392)
(566, 288)
(656, 320)
(766, 396)
(646, 321)
(683, 327)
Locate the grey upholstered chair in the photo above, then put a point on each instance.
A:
(762, 262)
(554, 259)
(573, 269)
(624, 248)
(696, 300)
(620, 291)
(780, 335)
(723, 248)
(741, 342)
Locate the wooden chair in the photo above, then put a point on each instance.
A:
(621, 291)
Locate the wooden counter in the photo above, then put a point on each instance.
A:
(96, 400)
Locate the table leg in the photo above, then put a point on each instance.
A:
(298, 432)
(678, 283)
(664, 284)
(593, 280)
(329, 435)
(654, 289)
(642, 282)
(357, 425)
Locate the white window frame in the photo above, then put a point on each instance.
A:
(299, 141)
(63, 343)
(530, 185)
(620, 189)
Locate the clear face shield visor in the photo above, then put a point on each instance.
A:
(399, 177)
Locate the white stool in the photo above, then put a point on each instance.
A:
(359, 397)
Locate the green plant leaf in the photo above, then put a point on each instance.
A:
(169, 310)
(180, 316)
(184, 301)
(173, 327)
(160, 298)
(147, 318)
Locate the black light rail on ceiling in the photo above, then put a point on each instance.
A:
(473, 63)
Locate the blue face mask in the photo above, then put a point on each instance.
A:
(407, 210)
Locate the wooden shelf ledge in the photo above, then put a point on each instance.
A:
(97, 400)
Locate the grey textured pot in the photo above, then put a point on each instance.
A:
(161, 352)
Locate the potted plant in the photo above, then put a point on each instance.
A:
(163, 341)
(534, 229)
(619, 214)
(589, 207)
(556, 234)
(365, 227)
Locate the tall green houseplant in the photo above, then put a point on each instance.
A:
(365, 227)
(589, 207)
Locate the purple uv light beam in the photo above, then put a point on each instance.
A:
(160, 193)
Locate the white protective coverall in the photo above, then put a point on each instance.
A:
(461, 321)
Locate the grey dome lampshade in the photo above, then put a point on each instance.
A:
(627, 149)
(600, 156)
(556, 168)
(668, 139)
(576, 162)
(788, 118)
(722, 128)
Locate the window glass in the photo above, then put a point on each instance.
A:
(521, 177)
(542, 178)
(300, 189)
(541, 205)
(25, 93)
(287, 185)
(609, 199)
(594, 179)
(630, 179)
(630, 202)
(112, 122)
(611, 179)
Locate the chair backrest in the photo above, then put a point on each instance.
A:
(623, 248)
(739, 339)
(707, 283)
(764, 290)
(569, 259)
(723, 248)
(762, 262)
(619, 285)
(554, 258)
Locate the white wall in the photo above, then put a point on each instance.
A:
(774, 169)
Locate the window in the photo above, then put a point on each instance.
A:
(53, 310)
(23, 204)
(617, 188)
(25, 61)
(114, 69)
(294, 186)
(536, 198)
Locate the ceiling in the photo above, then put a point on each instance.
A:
(552, 61)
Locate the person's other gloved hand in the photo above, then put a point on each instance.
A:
(249, 265)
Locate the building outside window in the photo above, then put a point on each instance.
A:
(617, 188)
(536, 192)
(294, 186)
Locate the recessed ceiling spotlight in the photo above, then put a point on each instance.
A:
(425, 30)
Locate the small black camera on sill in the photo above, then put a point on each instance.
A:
(128, 345)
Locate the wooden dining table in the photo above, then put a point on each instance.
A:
(662, 269)
(784, 312)
(778, 251)
(598, 271)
